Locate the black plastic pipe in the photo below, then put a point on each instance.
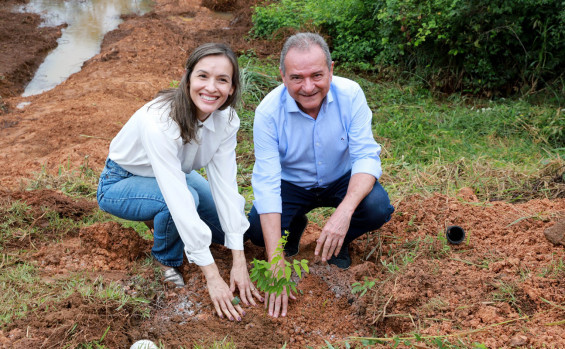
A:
(455, 234)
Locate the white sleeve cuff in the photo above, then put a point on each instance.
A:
(201, 257)
(234, 241)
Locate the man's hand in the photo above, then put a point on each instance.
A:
(333, 234)
(278, 304)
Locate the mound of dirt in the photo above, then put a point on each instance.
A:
(75, 320)
(55, 201)
(24, 46)
(109, 245)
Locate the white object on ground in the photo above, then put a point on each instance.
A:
(144, 344)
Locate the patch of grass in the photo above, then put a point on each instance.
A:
(74, 183)
(16, 222)
(257, 79)
(20, 291)
(225, 343)
(554, 269)
(506, 292)
(57, 225)
(409, 251)
(320, 215)
(19, 223)
(113, 293)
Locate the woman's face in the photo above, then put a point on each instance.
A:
(210, 84)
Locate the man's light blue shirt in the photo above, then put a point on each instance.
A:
(291, 145)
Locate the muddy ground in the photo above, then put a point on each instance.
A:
(503, 287)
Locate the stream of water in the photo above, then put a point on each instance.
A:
(88, 21)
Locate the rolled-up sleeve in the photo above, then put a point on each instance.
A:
(364, 150)
(266, 179)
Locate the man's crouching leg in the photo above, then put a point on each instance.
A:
(374, 211)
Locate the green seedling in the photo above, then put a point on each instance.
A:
(271, 277)
(363, 287)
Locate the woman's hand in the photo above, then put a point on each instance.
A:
(221, 294)
(240, 277)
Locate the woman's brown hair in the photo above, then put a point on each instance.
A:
(183, 109)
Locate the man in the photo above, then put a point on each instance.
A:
(314, 148)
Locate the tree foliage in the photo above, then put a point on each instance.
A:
(476, 46)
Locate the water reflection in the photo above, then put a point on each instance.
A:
(88, 21)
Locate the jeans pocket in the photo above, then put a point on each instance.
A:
(113, 170)
(111, 174)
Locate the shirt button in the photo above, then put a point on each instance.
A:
(317, 144)
(319, 162)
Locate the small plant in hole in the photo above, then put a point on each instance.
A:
(271, 277)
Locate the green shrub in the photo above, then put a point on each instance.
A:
(269, 19)
(475, 46)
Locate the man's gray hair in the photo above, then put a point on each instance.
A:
(303, 42)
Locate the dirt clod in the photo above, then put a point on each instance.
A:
(556, 233)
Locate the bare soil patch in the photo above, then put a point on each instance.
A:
(497, 288)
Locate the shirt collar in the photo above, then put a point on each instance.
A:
(208, 123)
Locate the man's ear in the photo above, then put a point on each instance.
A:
(282, 77)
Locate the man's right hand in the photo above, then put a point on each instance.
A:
(271, 225)
(278, 304)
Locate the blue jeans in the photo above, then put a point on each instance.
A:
(373, 211)
(139, 198)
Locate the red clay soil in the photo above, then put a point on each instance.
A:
(502, 287)
(23, 46)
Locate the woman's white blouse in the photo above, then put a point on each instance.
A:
(149, 145)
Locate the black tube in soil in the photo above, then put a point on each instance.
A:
(455, 234)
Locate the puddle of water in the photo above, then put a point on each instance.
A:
(223, 15)
(88, 21)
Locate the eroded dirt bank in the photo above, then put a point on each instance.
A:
(23, 46)
(493, 289)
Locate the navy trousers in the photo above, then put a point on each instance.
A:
(373, 211)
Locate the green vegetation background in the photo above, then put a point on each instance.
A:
(495, 47)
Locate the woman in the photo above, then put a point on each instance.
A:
(149, 175)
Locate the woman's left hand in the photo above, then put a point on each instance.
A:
(240, 277)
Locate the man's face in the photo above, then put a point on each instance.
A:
(307, 78)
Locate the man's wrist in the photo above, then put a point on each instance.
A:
(346, 208)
